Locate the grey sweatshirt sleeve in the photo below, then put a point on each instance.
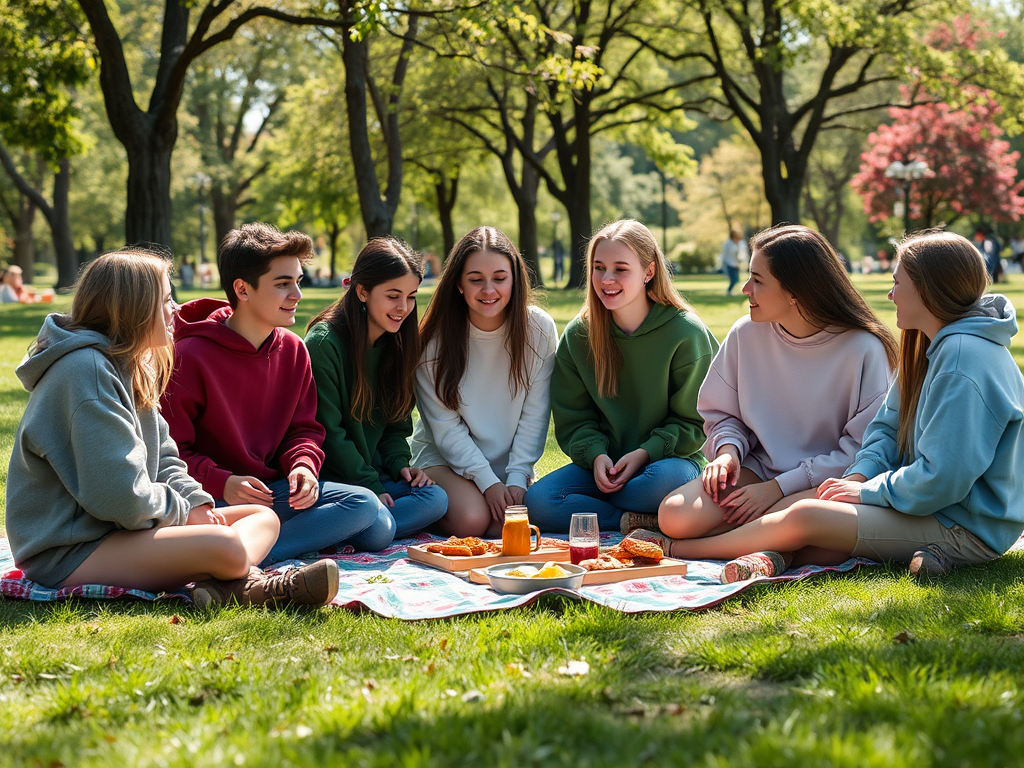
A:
(104, 466)
(173, 472)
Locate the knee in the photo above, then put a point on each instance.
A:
(362, 505)
(473, 520)
(381, 532)
(435, 498)
(225, 553)
(677, 516)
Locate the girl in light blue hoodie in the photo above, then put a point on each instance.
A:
(937, 482)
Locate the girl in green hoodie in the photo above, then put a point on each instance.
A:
(624, 389)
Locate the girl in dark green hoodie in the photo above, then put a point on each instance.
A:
(624, 389)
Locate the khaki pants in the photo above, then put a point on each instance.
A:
(884, 534)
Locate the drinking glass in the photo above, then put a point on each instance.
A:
(584, 537)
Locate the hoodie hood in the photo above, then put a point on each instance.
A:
(659, 315)
(993, 319)
(206, 318)
(55, 341)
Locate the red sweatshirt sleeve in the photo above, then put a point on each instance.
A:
(180, 407)
(305, 436)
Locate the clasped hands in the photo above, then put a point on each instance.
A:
(303, 489)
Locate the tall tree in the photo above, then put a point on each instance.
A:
(43, 62)
(149, 133)
(226, 89)
(973, 171)
(787, 71)
(21, 211)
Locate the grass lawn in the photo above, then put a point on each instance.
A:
(864, 669)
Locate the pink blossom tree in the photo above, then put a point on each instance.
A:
(972, 170)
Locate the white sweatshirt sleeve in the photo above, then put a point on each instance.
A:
(451, 436)
(532, 430)
(718, 402)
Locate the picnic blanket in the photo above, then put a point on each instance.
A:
(389, 584)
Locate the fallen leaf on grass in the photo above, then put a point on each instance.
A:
(444, 643)
(176, 619)
(575, 669)
(905, 637)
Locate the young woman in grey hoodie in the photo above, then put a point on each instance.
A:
(96, 493)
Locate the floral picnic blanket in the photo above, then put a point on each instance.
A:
(389, 584)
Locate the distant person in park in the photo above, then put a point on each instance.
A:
(187, 273)
(791, 391)
(483, 383)
(1017, 248)
(558, 256)
(988, 246)
(734, 250)
(624, 389)
(364, 349)
(12, 287)
(937, 483)
(96, 493)
(241, 403)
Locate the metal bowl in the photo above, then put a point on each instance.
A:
(522, 585)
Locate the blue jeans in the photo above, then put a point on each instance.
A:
(340, 512)
(553, 499)
(734, 276)
(414, 510)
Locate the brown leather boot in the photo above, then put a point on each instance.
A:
(313, 584)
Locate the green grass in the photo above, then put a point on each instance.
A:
(864, 669)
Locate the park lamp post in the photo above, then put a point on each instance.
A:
(907, 173)
(201, 181)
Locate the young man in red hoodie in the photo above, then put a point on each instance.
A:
(241, 404)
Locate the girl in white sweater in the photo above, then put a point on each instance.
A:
(482, 387)
(792, 390)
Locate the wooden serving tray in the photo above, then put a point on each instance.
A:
(667, 567)
(418, 553)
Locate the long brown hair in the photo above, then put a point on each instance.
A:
(807, 266)
(950, 277)
(121, 295)
(447, 317)
(604, 351)
(381, 260)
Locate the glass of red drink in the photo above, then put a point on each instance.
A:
(584, 537)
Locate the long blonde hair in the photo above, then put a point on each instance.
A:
(120, 295)
(604, 351)
(950, 277)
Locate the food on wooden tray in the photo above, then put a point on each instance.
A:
(626, 554)
(548, 571)
(467, 546)
(645, 549)
(603, 563)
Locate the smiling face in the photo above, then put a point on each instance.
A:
(163, 324)
(618, 278)
(272, 303)
(389, 304)
(486, 285)
(769, 301)
(911, 313)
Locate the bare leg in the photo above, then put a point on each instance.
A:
(467, 514)
(168, 558)
(806, 523)
(819, 556)
(689, 512)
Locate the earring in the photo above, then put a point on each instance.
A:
(362, 307)
(647, 281)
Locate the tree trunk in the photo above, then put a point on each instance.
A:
(783, 195)
(24, 240)
(148, 214)
(60, 227)
(224, 204)
(577, 189)
(332, 239)
(377, 219)
(446, 197)
(529, 237)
